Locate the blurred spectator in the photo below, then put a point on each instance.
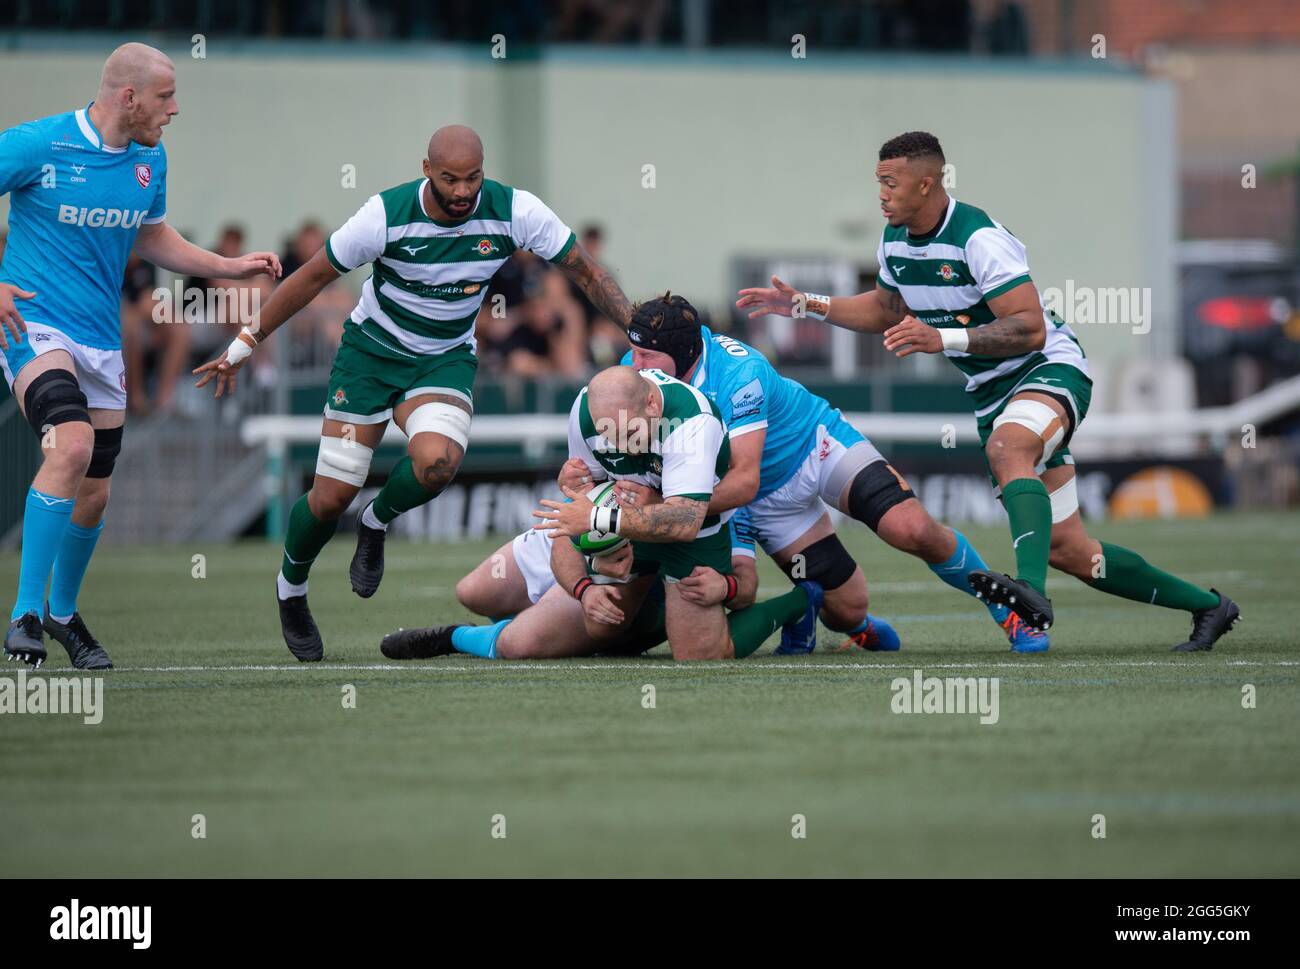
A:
(315, 331)
(153, 353)
(302, 245)
(612, 21)
(606, 341)
(550, 335)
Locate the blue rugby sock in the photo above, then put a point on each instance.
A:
(478, 640)
(957, 569)
(70, 567)
(45, 520)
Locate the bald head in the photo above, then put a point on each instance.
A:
(137, 95)
(134, 66)
(454, 168)
(455, 145)
(618, 390)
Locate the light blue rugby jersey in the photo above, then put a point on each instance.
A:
(75, 207)
(752, 395)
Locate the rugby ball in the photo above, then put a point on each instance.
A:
(600, 543)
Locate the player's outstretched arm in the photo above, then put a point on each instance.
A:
(872, 312)
(167, 249)
(1018, 329)
(302, 286)
(594, 280)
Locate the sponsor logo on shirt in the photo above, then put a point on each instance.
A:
(747, 401)
(101, 218)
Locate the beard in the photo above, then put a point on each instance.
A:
(445, 203)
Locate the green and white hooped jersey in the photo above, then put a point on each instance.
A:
(947, 279)
(429, 277)
(688, 451)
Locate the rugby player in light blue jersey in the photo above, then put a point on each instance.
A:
(792, 455)
(85, 188)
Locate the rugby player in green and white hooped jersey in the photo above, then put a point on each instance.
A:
(407, 353)
(645, 427)
(954, 281)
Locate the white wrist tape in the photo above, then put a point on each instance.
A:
(954, 339)
(817, 306)
(240, 349)
(604, 520)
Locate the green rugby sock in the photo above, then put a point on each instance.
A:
(1127, 574)
(307, 536)
(751, 627)
(1030, 511)
(401, 492)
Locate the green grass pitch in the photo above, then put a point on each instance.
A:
(208, 714)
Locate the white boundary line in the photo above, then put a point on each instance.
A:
(519, 666)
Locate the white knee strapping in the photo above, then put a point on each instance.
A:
(439, 418)
(1039, 418)
(1065, 502)
(343, 460)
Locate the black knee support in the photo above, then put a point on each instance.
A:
(54, 398)
(876, 489)
(826, 561)
(108, 444)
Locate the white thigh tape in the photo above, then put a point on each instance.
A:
(439, 418)
(344, 460)
(1039, 418)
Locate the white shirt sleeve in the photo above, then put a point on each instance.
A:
(690, 456)
(361, 239)
(997, 260)
(885, 275)
(578, 446)
(534, 227)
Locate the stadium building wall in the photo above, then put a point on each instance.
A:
(751, 153)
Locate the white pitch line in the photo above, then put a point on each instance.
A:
(734, 666)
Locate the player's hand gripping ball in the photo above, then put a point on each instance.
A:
(600, 543)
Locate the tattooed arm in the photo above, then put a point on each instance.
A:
(594, 280)
(1019, 328)
(675, 519)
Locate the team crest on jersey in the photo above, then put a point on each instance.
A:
(340, 397)
(947, 273)
(143, 175)
(485, 247)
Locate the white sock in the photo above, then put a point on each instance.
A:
(370, 521)
(286, 589)
(62, 620)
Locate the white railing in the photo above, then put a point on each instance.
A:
(536, 431)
